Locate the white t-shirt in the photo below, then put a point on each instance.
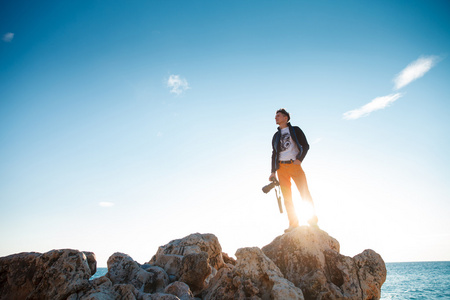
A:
(289, 149)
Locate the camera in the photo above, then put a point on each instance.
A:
(270, 186)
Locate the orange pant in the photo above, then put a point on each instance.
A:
(285, 173)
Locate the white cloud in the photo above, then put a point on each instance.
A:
(414, 70)
(177, 84)
(8, 37)
(375, 104)
(105, 204)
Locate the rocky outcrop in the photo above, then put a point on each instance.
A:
(53, 275)
(302, 264)
(255, 276)
(309, 258)
(194, 259)
(122, 269)
(102, 289)
(371, 273)
(179, 289)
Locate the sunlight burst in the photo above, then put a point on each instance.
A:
(304, 211)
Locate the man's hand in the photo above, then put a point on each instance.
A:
(297, 162)
(272, 176)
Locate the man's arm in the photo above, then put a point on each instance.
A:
(273, 166)
(302, 141)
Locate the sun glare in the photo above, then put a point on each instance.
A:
(304, 211)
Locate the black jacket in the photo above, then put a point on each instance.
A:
(300, 140)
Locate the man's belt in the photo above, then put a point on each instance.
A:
(286, 161)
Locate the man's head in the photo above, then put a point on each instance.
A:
(282, 117)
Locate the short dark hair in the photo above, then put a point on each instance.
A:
(284, 112)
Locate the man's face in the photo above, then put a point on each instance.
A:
(280, 118)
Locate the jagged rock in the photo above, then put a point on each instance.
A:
(302, 264)
(53, 275)
(342, 272)
(103, 289)
(179, 289)
(159, 278)
(162, 296)
(92, 261)
(228, 260)
(310, 259)
(255, 276)
(122, 269)
(371, 273)
(129, 292)
(171, 263)
(179, 256)
(195, 269)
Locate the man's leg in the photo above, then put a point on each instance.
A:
(285, 185)
(300, 181)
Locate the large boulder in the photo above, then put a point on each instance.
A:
(122, 269)
(194, 259)
(195, 270)
(101, 289)
(53, 275)
(179, 289)
(163, 296)
(310, 259)
(254, 276)
(371, 273)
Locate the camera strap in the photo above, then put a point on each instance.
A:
(278, 195)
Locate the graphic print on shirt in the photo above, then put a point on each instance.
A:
(285, 141)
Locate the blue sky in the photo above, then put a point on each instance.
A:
(126, 125)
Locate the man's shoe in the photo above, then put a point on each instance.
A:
(290, 228)
(313, 221)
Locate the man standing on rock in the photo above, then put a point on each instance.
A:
(289, 148)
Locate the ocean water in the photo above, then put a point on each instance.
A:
(417, 280)
(412, 280)
(100, 272)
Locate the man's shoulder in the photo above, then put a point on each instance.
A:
(298, 131)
